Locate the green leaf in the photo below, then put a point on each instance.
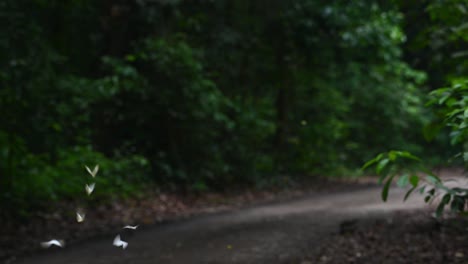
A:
(382, 178)
(445, 200)
(406, 154)
(443, 98)
(372, 161)
(130, 57)
(408, 193)
(432, 192)
(403, 181)
(422, 189)
(368, 164)
(386, 188)
(457, 204)
(427, 198)
(381, 165)
(414, 180)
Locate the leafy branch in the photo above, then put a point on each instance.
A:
(452, 103)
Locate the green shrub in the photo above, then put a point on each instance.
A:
(452, 106)
(36, 180)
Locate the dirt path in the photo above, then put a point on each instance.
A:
(270, 233)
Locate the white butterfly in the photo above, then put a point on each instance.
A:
(55, 242)
(130, 227)
(94, 171)
(90, 188)
(120, 243)
(80, 217)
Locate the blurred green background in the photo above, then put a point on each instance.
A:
(208, 95)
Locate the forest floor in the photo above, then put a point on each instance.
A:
(335, 222)
(403, 237)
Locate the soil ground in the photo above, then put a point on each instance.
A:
(404, 237)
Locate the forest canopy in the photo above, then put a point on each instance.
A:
(200, 95)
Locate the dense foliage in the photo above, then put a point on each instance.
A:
(446, 35)
(208, 94)
(453, 108)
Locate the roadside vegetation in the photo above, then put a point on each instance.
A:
(449, 106)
